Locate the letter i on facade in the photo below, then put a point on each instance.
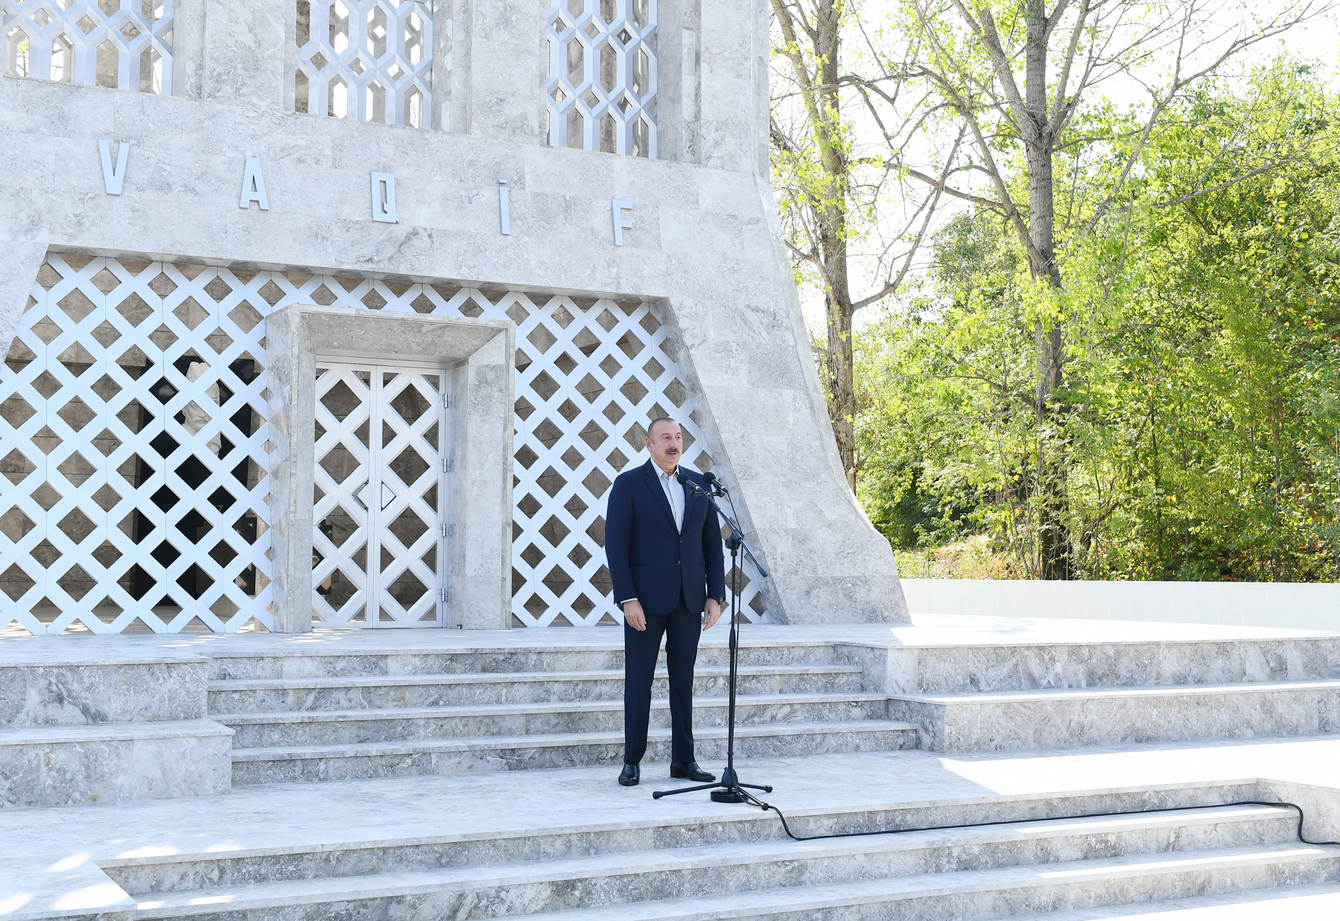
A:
(113, 178)
(383, 198)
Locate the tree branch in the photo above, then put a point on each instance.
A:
(1227, 183)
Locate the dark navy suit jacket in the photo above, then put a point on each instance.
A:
(648, 559)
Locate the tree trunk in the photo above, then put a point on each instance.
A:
(841, 386)
(1054, 547)
(832, 212)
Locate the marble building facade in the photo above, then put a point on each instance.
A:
(348, 313)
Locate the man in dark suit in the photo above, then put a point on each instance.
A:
(663, 548)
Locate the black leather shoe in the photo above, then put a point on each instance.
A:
(690, 771)
(629, 776)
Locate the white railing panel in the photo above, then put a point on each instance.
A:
(133, 436)
(1286, 605)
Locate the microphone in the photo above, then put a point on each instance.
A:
(713, 484)
(685, 480)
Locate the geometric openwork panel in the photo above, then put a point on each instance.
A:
(108, 421)
(379, 495)
(590, 376)
(601, 93)
(368, 60)
(123, 44)
(133, 451)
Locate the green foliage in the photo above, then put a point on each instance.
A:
(974, 557)
(1201, 422)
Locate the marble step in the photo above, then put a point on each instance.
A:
(320, 855)
(1007, 892)
(73, 684)
(1130, 855)
(295, 764)
(1317, 902)
(228, 665)
(1063, 718)
(1016, 667)
(343, 727)
(697, 846)
(387, 691)
(113, 762)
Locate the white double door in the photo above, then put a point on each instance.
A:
(379, 545)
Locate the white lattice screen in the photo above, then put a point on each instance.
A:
(123, 44)
(369, 60)
(133, 449)
(601, 93)
(590, 374)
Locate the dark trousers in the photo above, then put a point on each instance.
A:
(681, 629)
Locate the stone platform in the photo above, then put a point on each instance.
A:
(433, 845)
(1141, 810)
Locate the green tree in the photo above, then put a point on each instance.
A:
(832, 188)
(1200, 422)
(1022, 81)
(1232, 336)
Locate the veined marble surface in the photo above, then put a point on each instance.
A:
(57, 848)
(927, 630)
(111, 762)
(51, 854)
(1301, 903)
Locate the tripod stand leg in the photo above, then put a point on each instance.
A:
(705, 786)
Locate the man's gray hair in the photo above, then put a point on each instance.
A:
(659, 419)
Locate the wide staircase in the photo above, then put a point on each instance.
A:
(739, 865)
(343, 715)
(350, 716)
(811, 706)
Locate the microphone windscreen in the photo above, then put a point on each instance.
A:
(682, 477)
(710, 477)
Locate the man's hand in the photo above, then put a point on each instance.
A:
(633, 615)
(712, 614)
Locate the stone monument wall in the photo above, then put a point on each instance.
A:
(590, 175)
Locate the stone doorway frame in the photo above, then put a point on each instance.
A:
(480, 357)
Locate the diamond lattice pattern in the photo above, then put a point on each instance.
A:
(369, 60)
(134, 452)
(83, 376)
(601, 93)
(378, 510)
(123, 44)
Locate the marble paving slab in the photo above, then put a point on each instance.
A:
(1301, 903)
(482, 805)
(49, 886)
(49, 855)
(928, 630)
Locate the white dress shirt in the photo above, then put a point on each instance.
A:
(675, 493)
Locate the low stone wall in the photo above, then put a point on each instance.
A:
(1293, 605)
(90, 721)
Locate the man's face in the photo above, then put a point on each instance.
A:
(665, 442)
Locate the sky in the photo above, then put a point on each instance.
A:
(1319, 40)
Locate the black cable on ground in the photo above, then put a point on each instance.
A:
(1090, 815)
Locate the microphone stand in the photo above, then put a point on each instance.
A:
(729, 789)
